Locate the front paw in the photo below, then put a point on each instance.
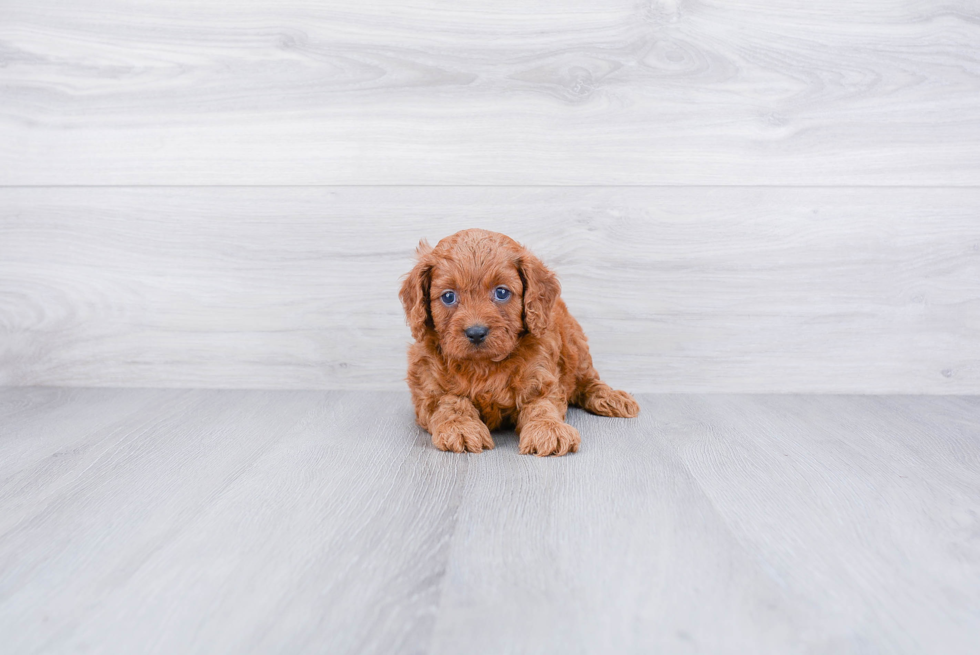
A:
(460, 436)
(543, 438)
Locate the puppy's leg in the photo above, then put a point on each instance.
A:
(543, 431)
(591, 393)
(455, 425)
(597, 397)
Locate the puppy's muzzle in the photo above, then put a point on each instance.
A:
(476, 334)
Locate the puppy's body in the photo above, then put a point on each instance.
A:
(484, 361)
(559, 360)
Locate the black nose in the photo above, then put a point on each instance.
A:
(477, 333)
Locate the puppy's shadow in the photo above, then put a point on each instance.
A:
(505, 439)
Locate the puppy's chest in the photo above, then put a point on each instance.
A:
(492, 394)
(494, 410)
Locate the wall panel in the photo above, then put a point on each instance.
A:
(679, 289)
(202, 92)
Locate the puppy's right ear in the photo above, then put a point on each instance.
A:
(414, 293)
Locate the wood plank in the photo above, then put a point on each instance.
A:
(271, 521)
(236, 522)
(78, 425)
(727, 524)
(687, 290)
(865, 507)
(766, 92)
(613, 550)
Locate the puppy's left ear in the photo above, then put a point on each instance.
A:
(414, 293)
(541, 289)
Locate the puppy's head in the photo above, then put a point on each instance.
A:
(478, 293)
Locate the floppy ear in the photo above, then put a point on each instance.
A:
(414, 293)
(541, 289)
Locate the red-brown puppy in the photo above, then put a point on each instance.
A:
(495, 345)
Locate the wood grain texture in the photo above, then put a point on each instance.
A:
(332, 511)
(728, 524)
(577, 92)
(257, 521)
(678, 289)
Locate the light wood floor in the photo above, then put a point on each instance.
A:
(181, 521)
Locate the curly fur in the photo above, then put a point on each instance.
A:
(533, 363)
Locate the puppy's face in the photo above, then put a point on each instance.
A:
(476, 301)
(478, 292)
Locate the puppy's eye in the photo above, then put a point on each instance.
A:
(501, 293)
(448, 297)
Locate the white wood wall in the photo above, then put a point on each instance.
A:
(751, 196)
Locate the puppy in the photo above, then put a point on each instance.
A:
(495, 346)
